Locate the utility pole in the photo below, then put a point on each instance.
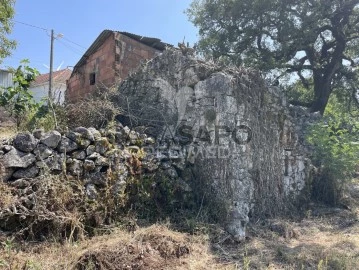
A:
(51, 64)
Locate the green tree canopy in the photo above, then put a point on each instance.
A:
(6, 14)
(318, 40)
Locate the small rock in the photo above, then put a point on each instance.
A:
(7, 148)
(134, 137)
(25, 142)
(94, 155)
(149, 140)
(30, 172)
(91, 191)
(85, 133)
(95, 133)
(102, 145)
(90, 150)
(67, 145)
(102, 161)
(121, 135)
(38, 133)
(72, 135)
(89, 165)
(98, 178)
(20, 183)
(79, 155)
(127, 130)
(75, 168)
(42, 151)
(51, 139)
(18, 159)
(53, 163)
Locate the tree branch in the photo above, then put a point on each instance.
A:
(300, 103)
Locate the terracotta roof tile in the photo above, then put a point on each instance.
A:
(60, 76)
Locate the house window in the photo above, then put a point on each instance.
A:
(92, 78)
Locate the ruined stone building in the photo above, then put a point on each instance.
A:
(110, 59)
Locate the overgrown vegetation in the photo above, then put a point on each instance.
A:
(335, 141)
(97, 109)
(7, 13)
(17, 99)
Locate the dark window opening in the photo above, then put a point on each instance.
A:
(92, 78)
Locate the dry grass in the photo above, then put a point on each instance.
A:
(327, 238)
(154, 247)
(7, 132)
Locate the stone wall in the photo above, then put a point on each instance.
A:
(84, 153)
(233, 136)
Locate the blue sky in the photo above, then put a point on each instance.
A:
(81, 21)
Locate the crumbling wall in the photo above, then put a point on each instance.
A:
(231, 135)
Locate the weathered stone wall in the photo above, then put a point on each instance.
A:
(85, 153)
(231, 135)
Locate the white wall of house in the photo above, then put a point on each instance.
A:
(5, 79)
(40, 92)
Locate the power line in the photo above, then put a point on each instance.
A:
(74, 43)
(41, 28)
(70, 48)
(31, 25)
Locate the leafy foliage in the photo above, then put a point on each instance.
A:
(6, 14)
(317, 39)
(336, 143)
(17, 98)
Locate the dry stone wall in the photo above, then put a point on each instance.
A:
(84, 153)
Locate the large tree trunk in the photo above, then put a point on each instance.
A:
(322, 92)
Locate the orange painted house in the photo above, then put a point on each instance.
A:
(110, 59)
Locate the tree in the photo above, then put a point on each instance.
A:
(17, 99)
(6, 14)
(318, 40)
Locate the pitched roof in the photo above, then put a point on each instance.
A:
(149, 41)
(60, 76)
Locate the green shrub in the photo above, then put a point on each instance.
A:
(335, 140)
(18, 99)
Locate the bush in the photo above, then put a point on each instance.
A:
(336, 154)
(96, 110)
(18, 99)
